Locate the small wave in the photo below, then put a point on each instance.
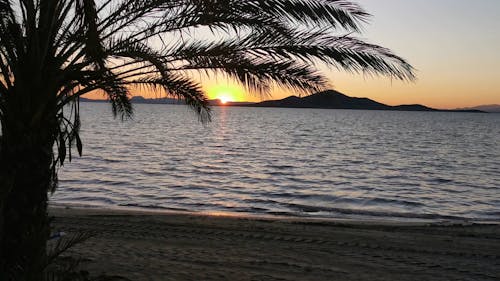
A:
(441, 180)
(493, 214)
(369, 213)
(282, 167)
(260, 201)
(90, 199)
(313, 197)
(378, 201)
(250, 210)
(277, 173)
(108, 160)
(154, 207)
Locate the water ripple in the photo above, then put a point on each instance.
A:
(299, 162)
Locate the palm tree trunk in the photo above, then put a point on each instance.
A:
(25, 164)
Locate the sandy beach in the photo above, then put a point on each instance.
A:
(153, 246)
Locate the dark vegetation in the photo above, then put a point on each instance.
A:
(54, 51)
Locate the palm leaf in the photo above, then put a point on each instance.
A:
(74, 47)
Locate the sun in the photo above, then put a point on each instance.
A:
(226, 93)
(224, 99)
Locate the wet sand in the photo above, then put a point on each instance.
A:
(152, 246)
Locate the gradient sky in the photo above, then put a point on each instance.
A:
(453, 44)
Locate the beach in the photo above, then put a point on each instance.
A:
(142, 245)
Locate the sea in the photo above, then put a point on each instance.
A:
(307, 163)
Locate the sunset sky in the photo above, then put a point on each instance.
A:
(453, 44)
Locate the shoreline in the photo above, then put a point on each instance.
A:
(124, 212)
(346, 218)
(142, 245)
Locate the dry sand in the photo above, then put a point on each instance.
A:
(151, 246)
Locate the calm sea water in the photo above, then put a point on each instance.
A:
(297, 162)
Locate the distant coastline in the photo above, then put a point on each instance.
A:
(140, 99)
(329, 99)
(332, 99)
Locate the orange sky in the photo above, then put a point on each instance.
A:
(453, 44)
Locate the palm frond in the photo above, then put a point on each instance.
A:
(181, 88)
(57, 51)
(332, 13)
(65, 243)
(89, 20)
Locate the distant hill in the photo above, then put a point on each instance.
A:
(330, 99)
(140, 99)
(335, 100)
(492, 108)
(327, 99)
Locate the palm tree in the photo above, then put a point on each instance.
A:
(54, 51)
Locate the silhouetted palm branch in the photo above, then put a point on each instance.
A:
(52, 52)
(111, 45)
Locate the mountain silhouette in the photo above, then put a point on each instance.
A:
(491, 108)
(329, 99)
(141, 100)
(332, 99)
